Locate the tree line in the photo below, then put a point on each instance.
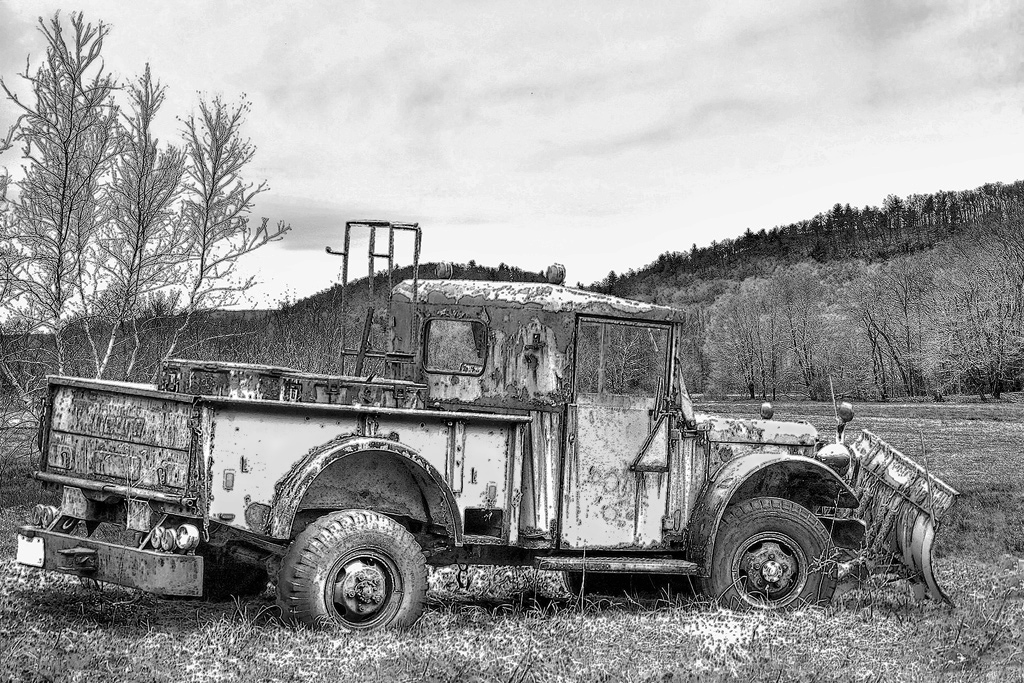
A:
(902, 225)
(948, 320)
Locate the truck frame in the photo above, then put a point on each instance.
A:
(511, 423)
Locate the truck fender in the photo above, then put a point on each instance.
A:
(798, 478)
(290, 489)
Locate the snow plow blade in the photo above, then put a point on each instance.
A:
(901, 504)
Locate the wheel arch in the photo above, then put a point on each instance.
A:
(329, 477)
(796, 478)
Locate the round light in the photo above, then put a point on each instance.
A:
(187, 537)
(48, 514)
(835, 455)
(36, 516)
(845, 412)
(168, 539)
(767, 411)
(155, 535)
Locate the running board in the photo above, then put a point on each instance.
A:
(616, 565)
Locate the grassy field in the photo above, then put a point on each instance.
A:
(520, 626)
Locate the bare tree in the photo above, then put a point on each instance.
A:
(68, 138)
(979, 321)
(215, 214)
(140, 243)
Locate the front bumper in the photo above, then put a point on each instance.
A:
(148, 570)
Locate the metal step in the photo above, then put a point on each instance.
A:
(617, 565)
(477, 539)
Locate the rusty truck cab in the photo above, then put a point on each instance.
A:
(593, 373)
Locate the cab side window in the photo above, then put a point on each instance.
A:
(620, 358)
(455, 347)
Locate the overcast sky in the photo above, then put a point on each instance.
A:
(595, 134)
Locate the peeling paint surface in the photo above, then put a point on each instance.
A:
(532, 295)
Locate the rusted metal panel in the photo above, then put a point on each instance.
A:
(516, 445)
(108, 414)
(604, 494)
(156, 572)
(265, 382)
(115, 489)
(327, 409)
(650, 503)
(455, 458)
(653, 455)
(113, 386)
(747, 431)
(290, 489)
(531, 295)
(118, 461)
(727, 438)
(628, 565)
(541, 467)
(140, 515)
(271, 438)
(526, 364)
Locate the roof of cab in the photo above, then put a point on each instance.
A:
(536, 295)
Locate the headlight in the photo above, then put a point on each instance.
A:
(168, 539)
(187, 537)
(835, 455)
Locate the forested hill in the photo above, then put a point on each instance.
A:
(900, 226)
(923, 296)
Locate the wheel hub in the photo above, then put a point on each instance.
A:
(360, 588)
(769, 568)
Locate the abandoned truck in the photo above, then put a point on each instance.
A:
(524, 424)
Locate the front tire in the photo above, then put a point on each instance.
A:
(770, 554)
(356, 569)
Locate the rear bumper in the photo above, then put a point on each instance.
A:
(148, 570)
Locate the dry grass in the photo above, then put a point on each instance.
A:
(55, 628)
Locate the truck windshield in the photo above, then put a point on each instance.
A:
(620, 358)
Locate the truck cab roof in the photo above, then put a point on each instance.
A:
(531, 295)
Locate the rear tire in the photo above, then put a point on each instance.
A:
(769, 554)
(355, 569)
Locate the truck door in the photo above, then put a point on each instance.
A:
(620, 370)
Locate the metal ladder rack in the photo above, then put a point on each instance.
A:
(364, 352)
